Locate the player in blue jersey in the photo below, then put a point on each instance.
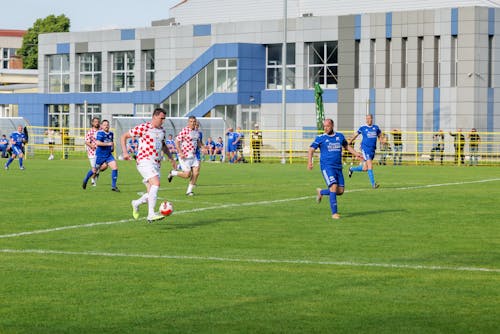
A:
(370, 133)
(17, 141)
(104, 155)
(330, 144)
(219, 149)
(232, 150)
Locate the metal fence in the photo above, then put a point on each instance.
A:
(291, 146)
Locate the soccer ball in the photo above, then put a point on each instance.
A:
(166, 208)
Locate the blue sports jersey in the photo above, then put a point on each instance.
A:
(219, 146)
(198, 151)
(105, 137)
(370, 135)
(231, 138)
(18, 138)
(330, 147)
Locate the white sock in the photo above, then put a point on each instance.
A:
(190, 188)
(143, 199)
(152, 196)
(174, 173)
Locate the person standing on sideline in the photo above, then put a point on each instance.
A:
(397, 141)
(104, 155)
(370, 133)
(4, 144)
(51, 139)
(437, 145)
(151, 146)
(459, 145)
(330, 145)
(474, 140)
(186, 143)
(17, 141)
(256, 143)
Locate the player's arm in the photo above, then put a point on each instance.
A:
(166, 150)
(353, 138)
(123, 142)
(355, 153)
(310, 154)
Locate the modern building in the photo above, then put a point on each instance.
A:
(415, 65)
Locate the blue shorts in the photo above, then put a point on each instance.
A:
(102, 160)
(368, 155)
(332, 176)
(16, 150)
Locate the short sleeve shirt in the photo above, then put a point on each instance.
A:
(150, 142)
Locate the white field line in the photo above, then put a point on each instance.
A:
(225, 206)
(265, 261)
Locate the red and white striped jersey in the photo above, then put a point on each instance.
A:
(151, 141)
(188, 139)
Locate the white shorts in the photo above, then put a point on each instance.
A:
(148, 169)
(92, 162)
(187, 163)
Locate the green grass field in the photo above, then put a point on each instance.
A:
(252, 252)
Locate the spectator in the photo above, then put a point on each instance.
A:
(219, 149)
(397, 140)
(385, 148)
(4, 144)
(240, 144)
(437, 145)
(51, 138)
(133, 147)
(459, 144)
(474, 140)
(210, 148)
(256, 143)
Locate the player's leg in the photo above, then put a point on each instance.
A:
(20, 158)
(114, 173)
(194, 178)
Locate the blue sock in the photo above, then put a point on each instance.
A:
(87, 177)
(333, 202)
(21, 162)
(9, 161)
(325, 192)
(114, 177)
(358, 168)
(371, 177)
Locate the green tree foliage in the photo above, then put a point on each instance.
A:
(29, 50)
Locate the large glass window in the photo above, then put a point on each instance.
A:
(225, 72)
(58, 73)
(59, 115)
(275, 65)
(323, 63)
(5, 55)
(90, 72)
(149, 61)
(85, 114)
(123, 78)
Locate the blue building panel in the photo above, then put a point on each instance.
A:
(491, 21)
(127, 34)
(357, 27)
(436, 109)
(388, 25)
(454, 21)
(202, 30)
(62, 48)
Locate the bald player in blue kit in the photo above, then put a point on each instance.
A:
(330, 144)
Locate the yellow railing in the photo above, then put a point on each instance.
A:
(291, 146)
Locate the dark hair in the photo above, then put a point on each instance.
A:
(158, 111)
(192, 117)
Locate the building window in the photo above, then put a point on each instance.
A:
(225, 75)
(453, 61)
(85, 114)
(323, 63)
(373, 62)
(356, 63)
(490, 61)
(149, 62)
(420, 61)
(58, 73)
(437, 61)
(388, 62)
(5, 55)
(58, 115)
(274, 66)
(404, 61)
(122, 73)
(90, 72)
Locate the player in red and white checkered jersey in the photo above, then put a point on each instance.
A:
(151, 146)
(186, 142)
(90, 143)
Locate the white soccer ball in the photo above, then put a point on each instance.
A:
(166, 208)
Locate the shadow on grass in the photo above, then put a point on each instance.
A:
(373, 213)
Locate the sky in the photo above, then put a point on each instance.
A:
(86, 15)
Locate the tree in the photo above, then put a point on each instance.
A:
(29, 49)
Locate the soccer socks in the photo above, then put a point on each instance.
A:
(152, 197)
(190, 188)
(174, 173)
(325, 192)
(21, 163)
(333, 202)
(371, 177)
(114, 177)
(87, 177)
(9, 161)
(358, 168)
